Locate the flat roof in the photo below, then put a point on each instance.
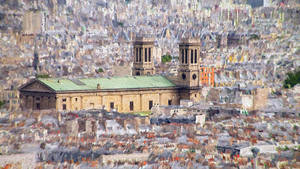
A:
(132, 82)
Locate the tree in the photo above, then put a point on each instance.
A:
(100, 70)
(292, 79)
(166, 58)
(1, 104)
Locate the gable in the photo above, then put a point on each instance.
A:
(36, 86)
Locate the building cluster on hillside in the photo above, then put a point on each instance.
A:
(243, 118)
(77, 38)
(177, 136)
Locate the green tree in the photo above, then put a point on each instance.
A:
(100, 70)
(166, 58)
(292, 79)
(2, 103)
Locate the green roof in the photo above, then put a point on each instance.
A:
(133, 82)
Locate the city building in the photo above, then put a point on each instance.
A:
(138, 93)
(33, 22)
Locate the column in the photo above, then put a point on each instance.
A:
(121, 106)
(57, 103)
(81, 103)
(141, 103)
(101, 101)
(160, 99)
(70, 103)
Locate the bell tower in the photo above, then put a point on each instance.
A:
(189, 58)
(143, 57)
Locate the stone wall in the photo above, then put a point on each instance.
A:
(120, 100)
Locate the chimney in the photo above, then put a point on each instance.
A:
(98, 86)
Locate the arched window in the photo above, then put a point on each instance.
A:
(196, 56)
(136, 54)
(140, 55)
(186, 56)
(146, 57)
(192, 56)
(149, 55)
(182, 56)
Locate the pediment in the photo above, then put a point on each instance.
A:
(36, 86)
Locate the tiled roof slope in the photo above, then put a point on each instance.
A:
(134, 82)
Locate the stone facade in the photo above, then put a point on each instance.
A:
(191, 78)
(143, 63)
(121, 101)
(191, 72)
(139, 100)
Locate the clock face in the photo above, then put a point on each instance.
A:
(183, 76)
(194, 76)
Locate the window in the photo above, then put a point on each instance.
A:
(192, 56)
(138, 73)
(149, 55)
(37, 98)
(76, 99)
(131, 106)
(64, 100)
(38, 106)
(146, 55)
(169, 102)
(196, 56)
(136, 54)
(186, 55)
(150, 104)
(112, 105)
(64, 106)
(140, 55)
(182, 55)
(183, 76)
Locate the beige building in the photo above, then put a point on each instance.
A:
(33, 23)
(137, 93)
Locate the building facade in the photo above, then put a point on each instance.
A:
(137, 93)
(143, 63)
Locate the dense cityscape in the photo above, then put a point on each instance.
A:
(149, 84)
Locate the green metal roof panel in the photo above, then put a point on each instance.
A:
(133, 82)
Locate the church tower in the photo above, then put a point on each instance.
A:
(189, 58)
(143, 57)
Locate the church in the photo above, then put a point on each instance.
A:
(136, 93)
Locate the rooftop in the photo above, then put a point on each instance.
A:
(133, 82)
